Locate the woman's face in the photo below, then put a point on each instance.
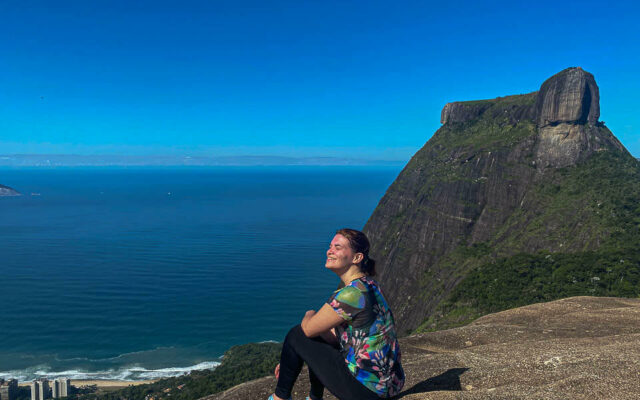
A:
(339, 255)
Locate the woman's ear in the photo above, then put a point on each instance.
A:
(357, 258)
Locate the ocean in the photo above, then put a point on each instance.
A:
(131, 274)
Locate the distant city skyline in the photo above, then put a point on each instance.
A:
(290, 79)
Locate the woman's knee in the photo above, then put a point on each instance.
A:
(294, 335)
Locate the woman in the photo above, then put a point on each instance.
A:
(350, 344)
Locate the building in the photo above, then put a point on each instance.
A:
(55, 389)
(65, 387)
(40, 390)
(34, 390)
(8, 389)
(44, 391)
(60, 387)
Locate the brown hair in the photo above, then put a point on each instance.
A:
(360, 244)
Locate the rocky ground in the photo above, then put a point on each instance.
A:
(575, 348)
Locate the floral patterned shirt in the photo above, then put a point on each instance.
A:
(368, 337)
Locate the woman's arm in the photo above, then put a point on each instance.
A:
(321, 323)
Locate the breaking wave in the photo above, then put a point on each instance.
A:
(132, 373)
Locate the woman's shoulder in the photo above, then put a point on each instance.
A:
(349, 294)
(355, 290)
(369, 283)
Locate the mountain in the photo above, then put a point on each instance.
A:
(514, 200)
(7, 191)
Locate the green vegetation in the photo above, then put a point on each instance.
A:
(533, 278)
(239, 364)
(527, 99)
(24, 392)
(595, 204)
(586, 216)
(485, 134)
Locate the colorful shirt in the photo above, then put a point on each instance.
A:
(368, 337)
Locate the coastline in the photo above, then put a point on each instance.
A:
(102, 383)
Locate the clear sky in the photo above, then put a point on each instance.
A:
(363, 79)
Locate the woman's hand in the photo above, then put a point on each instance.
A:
(309, 314)
(316, 323)
(277, 371)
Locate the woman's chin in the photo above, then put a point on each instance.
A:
(336, 269)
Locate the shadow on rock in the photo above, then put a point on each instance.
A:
(449, 380)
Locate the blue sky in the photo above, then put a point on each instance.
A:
(297, 78)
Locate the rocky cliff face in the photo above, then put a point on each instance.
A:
(567, 110)
(480, 189)
(571, 96)
(520, 107)
(7, 191)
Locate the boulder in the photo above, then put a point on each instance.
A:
(570, 96)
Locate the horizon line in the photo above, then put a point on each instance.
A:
(89, 160)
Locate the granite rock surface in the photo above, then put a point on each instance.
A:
(575, 348)
(570, 96)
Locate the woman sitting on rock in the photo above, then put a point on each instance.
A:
(350, 344)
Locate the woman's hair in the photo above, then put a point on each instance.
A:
(360, 244)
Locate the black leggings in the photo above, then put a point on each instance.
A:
(327, 368)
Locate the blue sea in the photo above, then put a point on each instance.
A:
(130, 274)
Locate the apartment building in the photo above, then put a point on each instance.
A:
(8, 389)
